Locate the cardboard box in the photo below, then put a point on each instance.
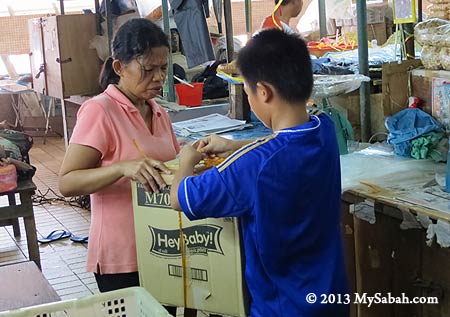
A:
(421, 85)
(214, 269)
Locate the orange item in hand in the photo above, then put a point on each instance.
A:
(213, 161)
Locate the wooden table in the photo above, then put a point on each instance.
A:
(24, 285)
(381, 257)
(9, 216)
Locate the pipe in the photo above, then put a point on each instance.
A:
(363, 53)
(248, 18)
(98, 17)
(61, 7)
(109, 25)
(322, 19)
(228, 29)
(169, 80)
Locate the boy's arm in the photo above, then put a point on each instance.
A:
(216, 145)
(189, 157)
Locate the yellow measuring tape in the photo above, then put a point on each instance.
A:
(183, 259)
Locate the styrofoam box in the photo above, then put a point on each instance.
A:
(127, 302)
(213, 271)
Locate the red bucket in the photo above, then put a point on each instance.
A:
(188, 96)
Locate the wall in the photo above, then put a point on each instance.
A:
(14, 34)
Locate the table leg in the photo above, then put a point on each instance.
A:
(30, 229)
(33, 247)
(15, 222)
(347, 228)
(15, 106)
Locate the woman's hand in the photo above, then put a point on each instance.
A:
(146, 171)
(189, 156)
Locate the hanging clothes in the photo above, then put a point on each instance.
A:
(189, 16)
(217, 6)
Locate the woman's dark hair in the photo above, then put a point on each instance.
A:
(280, 59)
(134, 38)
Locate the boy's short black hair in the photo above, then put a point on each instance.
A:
(280, 59)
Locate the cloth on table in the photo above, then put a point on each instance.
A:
(425, 146)
(323, 66)
(407, 125)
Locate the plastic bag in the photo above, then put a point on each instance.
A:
(377, 56)
(444, 57)
(431, 57)
(425, 32)
(334, 85)
(438, 1)
(8, 178)
(390, 171)
(23, 141)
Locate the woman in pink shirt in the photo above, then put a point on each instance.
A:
(101, 158)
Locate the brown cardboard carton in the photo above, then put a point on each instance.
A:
(211, 278)
(421, 85)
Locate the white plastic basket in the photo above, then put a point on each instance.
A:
(127, 302)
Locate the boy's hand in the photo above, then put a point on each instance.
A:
(214, 145)
(189, 156)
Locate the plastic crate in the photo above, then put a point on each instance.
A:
(127, 302)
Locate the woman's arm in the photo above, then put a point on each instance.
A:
(81, 173)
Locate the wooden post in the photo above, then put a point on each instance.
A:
(239, 106)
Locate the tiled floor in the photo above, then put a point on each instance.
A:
(63, 262)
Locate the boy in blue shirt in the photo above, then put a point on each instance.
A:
(285, 188)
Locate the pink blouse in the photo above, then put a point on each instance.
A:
(109, 122)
